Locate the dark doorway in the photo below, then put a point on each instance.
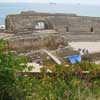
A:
(91, 29)
(67, 29)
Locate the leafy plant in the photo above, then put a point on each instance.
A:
(64, 83)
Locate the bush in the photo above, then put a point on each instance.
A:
(65, 83)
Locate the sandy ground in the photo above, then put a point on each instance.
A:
(97, 62)
(93, 47)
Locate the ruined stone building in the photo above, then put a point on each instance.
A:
(63, 23)
(37, 30)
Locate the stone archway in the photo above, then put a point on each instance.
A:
(42, 25)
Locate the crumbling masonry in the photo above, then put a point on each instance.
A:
(37, 30)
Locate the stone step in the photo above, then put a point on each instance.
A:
(84, 38)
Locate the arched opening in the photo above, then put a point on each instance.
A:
(92, 29)
(42, 25)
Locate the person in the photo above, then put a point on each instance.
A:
(79, 49)
(87, 52)
(81, 52)
(84, 51)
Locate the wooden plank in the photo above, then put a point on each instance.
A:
(55, 59)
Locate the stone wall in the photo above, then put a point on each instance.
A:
(63, 23)
(36, 42)
(59, 29)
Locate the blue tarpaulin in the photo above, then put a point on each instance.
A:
(75, 58)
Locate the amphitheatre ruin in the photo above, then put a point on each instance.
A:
(34, 31)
